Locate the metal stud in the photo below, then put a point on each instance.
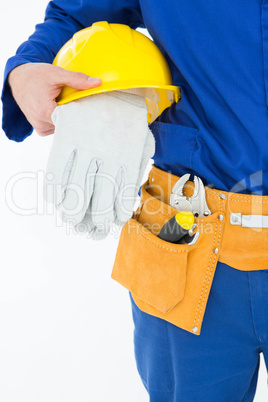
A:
(234, 218)
(220, 217)
(195, 329)
(215, 250)
(152, 178)
(222, 196)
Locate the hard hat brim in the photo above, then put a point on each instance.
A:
(69, 94)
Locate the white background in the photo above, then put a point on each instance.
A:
(65, 327)
(66, 332)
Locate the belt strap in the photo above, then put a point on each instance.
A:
(249, 221)
(241, 248)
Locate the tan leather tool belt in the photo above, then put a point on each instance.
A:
(173, 281)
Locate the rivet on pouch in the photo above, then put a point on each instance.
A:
(215, 250)
(234, 218)
(195, 329)
(152, 178)
(220, 217)
(222, 196)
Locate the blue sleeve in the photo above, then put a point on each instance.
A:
(62, 19)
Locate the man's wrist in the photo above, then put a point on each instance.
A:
(13, 73)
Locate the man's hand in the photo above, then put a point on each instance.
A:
(35, 86)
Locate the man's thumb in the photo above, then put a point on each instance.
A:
(80, 80)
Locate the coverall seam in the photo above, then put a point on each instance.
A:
(252, 315)
(171, 368)
(193, 151)
(174, 128)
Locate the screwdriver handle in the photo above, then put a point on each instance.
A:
(177, 227)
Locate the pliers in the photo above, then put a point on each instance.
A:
(196, 203)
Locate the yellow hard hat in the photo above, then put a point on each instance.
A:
(124, 59)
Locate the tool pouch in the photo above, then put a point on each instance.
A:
(167, 280)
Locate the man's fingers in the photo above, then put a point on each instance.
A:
(43, 129)
(45, 133)
(35, 86)
(41, 120)
(78, 80)
(51, 107)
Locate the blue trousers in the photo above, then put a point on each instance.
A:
(221, 364)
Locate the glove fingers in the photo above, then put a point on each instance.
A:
(127, 193)
(98, 234)
(148, 153)
(86, 225)
(57, 176)
(79, 191)
(125, 198)
(103, 201)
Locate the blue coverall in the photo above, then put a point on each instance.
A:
(218, 54)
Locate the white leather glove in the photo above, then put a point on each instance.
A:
(101, 148)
